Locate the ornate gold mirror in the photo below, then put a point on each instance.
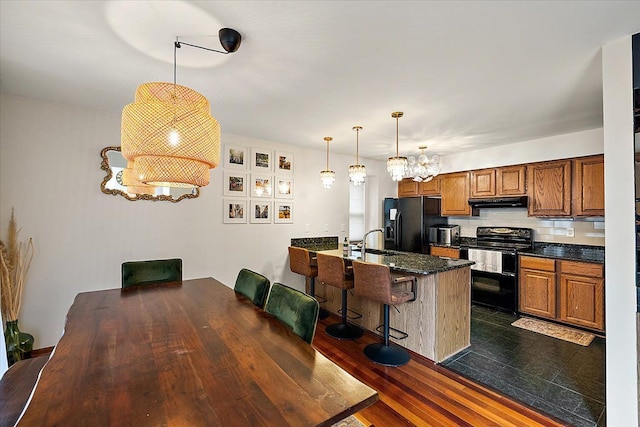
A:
(114, 165)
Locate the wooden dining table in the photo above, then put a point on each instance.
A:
(190, 353)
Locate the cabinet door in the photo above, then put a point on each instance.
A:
(430, 188)
(538, 292)
(445, 252)
(483, 183)
(549, 188)
(588, 186)
(510, 181)
(582, 294)
(407, 188)
(455, 194)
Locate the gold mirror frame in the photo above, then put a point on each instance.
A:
(114, 192)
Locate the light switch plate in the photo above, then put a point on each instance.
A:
(326, 227)
(570, 232)
(342, 228)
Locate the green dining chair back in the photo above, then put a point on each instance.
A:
(295, 309)
(142, 273)
(252, 285)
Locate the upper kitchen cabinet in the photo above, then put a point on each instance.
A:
(549, 188)
(510, 181)
(407, 188)
(497, 182)
(430, 188)
(454, 188)
(588, 186)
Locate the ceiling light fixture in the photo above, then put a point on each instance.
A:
(425, 169)
(357, 172)
(396, 165)
(327, 176)
(168, 131)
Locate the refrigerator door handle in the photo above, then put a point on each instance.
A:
(398, 230)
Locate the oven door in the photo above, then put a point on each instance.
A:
(496, 290)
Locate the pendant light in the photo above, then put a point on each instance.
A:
(397, 165)
(168, 131)
(327, 176)
(425, 168)
(357, 172)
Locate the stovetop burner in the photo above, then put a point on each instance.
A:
(504, 238)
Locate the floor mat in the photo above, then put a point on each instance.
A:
(556, 331)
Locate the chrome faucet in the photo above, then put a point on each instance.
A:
(364, 240)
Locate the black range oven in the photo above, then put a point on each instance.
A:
(494, 276)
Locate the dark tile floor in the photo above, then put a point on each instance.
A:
(560, 378)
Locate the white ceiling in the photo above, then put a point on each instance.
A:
(467, 75)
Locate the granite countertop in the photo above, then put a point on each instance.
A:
(406, 261)
(568, 252)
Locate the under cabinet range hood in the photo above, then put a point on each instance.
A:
(500, 202)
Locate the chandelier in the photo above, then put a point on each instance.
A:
(357, 172)
(327, 176)
(168, 133)
(396, 165)
(424, 169)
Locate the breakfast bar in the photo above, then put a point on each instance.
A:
(438, 322)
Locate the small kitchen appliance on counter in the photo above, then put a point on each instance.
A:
(444, 234)
(494, 276)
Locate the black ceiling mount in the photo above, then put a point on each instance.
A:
(230, 39)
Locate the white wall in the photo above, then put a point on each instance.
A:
(50, 172)
(620, 275)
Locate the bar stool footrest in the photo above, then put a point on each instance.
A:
(344, 332)
(356, 314)
(401, 334)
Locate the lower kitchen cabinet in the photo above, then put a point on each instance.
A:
(567, 291)
(538, 286)
(582, 294)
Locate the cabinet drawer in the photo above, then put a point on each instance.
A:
(445, 252)
(587, 269)
(535, 263)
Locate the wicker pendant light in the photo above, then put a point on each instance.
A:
(133, 185)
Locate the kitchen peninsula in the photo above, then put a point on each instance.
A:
(438, 321)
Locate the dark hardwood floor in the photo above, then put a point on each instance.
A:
(422, 393)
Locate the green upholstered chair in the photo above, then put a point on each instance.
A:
(252, 285)
(142, 273)
(295, 309)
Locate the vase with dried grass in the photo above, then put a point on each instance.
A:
(15, 261)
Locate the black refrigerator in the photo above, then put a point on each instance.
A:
(407, 221)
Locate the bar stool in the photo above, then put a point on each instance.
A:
(374, 281)
(332, 272)
(300, 262)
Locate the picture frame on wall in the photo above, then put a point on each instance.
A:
(236, 157)
(284, 162)
(284, 187)
(261, 185)
(235, 184)
(261, 212)
(283, 212)
(234, 211)
(261, 160)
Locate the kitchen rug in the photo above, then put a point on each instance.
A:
(349, 422)
(556, 331)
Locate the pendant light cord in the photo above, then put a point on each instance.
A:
(397, 136)
(357, 144)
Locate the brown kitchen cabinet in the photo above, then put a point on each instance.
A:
(549, 188)
(511, 181)
(498, 182)
(537, 293)
(588, 186)
(430, 188)
(454, 189)
(407, 188)
(445, 252)
(582, 294)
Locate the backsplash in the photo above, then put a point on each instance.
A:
(587, 231)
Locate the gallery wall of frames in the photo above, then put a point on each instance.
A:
(258, 185)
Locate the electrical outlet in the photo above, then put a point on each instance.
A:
(326, 227)
(570, 232)
(342, 228)
(306, 228)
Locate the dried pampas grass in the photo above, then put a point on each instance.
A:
(15, 261)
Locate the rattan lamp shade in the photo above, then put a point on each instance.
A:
(170, 135)
(133, 185)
